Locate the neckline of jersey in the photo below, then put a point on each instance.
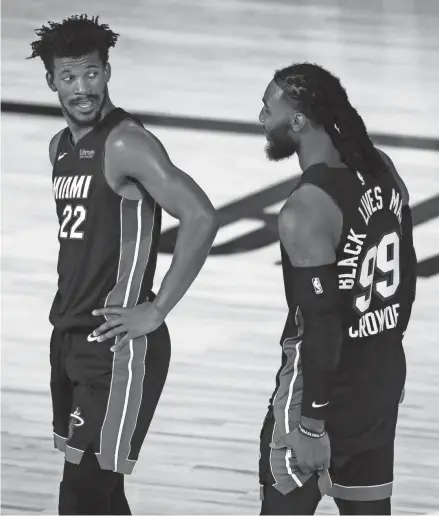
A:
(105, 119)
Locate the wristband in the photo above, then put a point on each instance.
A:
(309, 433)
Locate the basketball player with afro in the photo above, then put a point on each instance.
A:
(349, 271)
(110, 347)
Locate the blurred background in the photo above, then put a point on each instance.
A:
(196, 72)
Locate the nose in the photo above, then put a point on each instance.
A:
(262, 116)
(82, 86)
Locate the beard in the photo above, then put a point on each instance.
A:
(280, 145)
(90, 119)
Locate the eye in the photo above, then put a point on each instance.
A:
(92, 74)
(68, 78)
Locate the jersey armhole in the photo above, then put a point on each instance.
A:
(338, 244)
(54, 145)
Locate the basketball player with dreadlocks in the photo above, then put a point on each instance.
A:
(349, 271)
(110, 347)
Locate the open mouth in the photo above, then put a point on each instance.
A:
(85, 105)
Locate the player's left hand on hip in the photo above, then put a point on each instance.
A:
(311, 454)
(133, 322)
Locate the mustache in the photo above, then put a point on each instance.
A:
(81, 100)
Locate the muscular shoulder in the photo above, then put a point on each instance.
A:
(398, 179)
(131, 138)
(310, 208)
(134, 155)
(53, 146)
(310, 224)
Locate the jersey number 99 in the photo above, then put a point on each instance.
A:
(383, 257)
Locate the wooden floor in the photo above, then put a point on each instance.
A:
(213, 59)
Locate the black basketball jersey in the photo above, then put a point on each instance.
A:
(371, 370)
(108, 244)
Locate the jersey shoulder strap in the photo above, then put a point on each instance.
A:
(113, 119)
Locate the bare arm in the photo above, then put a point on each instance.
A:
(310, 236)
(136, 155)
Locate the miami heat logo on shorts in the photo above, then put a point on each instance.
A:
(75, 420)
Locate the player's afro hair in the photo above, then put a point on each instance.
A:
(73, 37)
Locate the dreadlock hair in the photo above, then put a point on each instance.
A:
(320, 96)
(74, 37)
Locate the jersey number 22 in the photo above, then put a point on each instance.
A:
(78, 214)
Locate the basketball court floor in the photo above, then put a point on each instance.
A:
(213, 59)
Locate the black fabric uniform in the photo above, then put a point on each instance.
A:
(103, 402)
(89, 214)
(371, 374)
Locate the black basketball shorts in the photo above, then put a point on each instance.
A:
(103, 399)
(364, 476)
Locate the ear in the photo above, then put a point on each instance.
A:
(107, 72)
(49, 80)
(298, 122)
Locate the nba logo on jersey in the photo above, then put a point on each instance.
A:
(317, 286)
(86, 154)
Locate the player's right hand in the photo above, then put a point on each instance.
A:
(311, 454)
